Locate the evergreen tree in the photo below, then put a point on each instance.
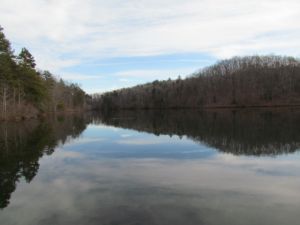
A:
(6, 71)
(24, 91)
(5, 47)
(26, 59)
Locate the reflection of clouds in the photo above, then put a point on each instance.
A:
(85, 140)
(273, 166)
(79, 188)
(216, 175)
(199, 149)
(102, 127)
(221, 189)
(141, 141)
(131, 139)
(61, 154)
(126, 135)
(99, 126)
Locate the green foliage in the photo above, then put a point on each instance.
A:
(22, 85)
(5, 47)
(26, 59)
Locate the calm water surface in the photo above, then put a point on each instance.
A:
(152, 167)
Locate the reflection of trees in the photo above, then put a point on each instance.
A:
(23, 144)
(240, 132)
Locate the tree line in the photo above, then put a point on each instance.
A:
(236, 82)
(26, 91)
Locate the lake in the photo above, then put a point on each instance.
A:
(152, 167)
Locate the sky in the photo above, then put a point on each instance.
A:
(105, 45)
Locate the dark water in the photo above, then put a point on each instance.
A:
(152, 167)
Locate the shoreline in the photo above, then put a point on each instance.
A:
(209, 107)
(215, 107)
(41, 116)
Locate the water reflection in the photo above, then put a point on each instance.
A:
(240, 132)
(23, 144)
(190, 167)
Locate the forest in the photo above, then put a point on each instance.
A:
(27, 92)
(237, 82)
(250, 81)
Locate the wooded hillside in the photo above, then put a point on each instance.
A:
(27, 92)
(237, 82)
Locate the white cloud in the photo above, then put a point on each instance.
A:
(66, 33)
(101, 89)
(163, 74)
(79, 76)
(128, 78)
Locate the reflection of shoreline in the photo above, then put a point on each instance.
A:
(265, 106)
(23, 144)
(241, 132)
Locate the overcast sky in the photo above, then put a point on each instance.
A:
(108, 44)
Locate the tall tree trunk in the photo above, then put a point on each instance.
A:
(14, 101)
(5, 137)
(4, 98)
(19, 98)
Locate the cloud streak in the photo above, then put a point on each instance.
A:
(63, 34)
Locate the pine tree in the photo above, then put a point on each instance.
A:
(26, 59)
(5, 47)
(6, 70)
(22, 86)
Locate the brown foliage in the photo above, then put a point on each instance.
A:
(237, 82)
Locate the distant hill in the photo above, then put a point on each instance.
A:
(236, 82)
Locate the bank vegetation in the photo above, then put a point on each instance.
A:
(237, 82)
(26, 91)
